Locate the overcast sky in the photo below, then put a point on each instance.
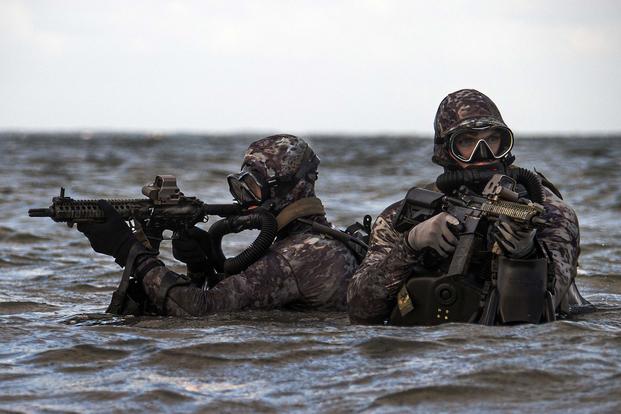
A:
(306, 66)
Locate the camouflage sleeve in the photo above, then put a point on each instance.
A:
(266, 284)
(373, 289)
(561, 236)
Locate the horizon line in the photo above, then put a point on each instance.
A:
(93, 132)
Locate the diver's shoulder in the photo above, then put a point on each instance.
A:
(304, 253)
(390, 212)
(305, 243)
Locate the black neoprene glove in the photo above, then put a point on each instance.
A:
(112, 237)
(153, 235)
(239, 223)
(191, 248)
(515, 241)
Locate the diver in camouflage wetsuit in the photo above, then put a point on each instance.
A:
(302, 270)
(392, 256)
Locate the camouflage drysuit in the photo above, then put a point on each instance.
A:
(389, 262)
(302, 270)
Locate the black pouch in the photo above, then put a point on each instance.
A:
(436, 300)
(129, 298)
(521, 289)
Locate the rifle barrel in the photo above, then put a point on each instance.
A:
(40, 212)
(222, 210)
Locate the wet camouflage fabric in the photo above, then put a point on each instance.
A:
(279, 156)
(373, 289)
(301, 271)
(462, 109)
(562, 238)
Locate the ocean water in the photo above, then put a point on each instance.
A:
(61, 353)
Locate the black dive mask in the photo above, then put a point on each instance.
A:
(249, 187)
(479, 144)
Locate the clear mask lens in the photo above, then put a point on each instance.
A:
(484, 143)
(245, 188)
(252, 185)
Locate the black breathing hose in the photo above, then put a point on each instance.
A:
(263, 221)
(531, 182)
(452, 180)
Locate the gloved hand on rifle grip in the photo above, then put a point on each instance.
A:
(239, 223)
(154, 236)
(435, 233)
(112, 237)
(514, 241)
(191, 248)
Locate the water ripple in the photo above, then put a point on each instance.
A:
(61, 353)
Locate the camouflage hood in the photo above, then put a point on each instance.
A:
(280, 156)
(462, 109)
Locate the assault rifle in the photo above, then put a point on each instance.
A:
(165, 208)
(498, 201)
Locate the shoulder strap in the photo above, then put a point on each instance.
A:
(341, 236)
(121, 303)
(310, 206)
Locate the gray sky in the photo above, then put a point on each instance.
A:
(306, 66)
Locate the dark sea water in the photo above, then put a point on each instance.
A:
(61, 353)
